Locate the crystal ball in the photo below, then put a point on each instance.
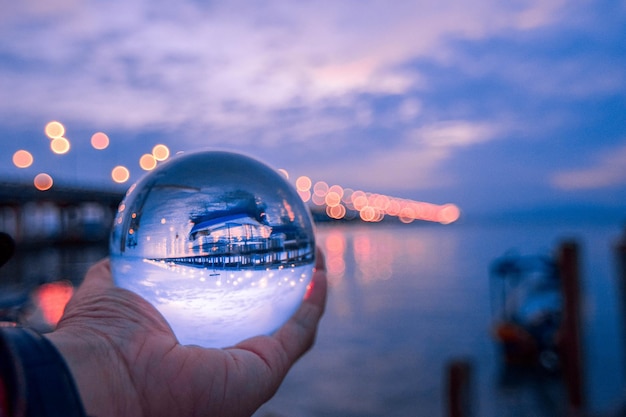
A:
(220, 243)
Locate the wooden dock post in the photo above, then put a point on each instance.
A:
(620, 254)
(571, 333)
(459, 386)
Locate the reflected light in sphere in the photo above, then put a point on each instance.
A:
(160, 152)
(60, 146)
(54, 130)
(43, 182)
(100, 141)
(120, 174)
(147, 162)
(22, 159)
(283, 172)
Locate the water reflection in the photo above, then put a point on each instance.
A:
(403, 302)
(36, 283)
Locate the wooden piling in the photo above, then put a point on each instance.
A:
(571, 334)
(620, 255)
(459, 386)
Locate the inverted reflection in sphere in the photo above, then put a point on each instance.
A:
(219, 243)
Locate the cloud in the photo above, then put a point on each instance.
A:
(454, 134)
(370, 93)
(608, 170)
(127, 64)
(413, 162)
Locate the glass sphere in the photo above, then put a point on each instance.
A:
(219, 243)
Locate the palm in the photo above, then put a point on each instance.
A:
(145, 370)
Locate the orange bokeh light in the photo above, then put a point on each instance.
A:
(147, 162)
(54, 129)
(318, 199)
(394, 207)
(320, 188)
(368, 214)
(120, 174)
(303, 183)
(332, 199)
(100, 141)
(359, 202)
(43, 182)
(160, 152)
(337, 189)
(336, 212)
(449, 213)
(60, 146)
(22, 159)
(347, 195)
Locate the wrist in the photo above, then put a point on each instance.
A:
(39, 381)
(91, 365)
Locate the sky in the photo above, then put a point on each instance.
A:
(489, 105)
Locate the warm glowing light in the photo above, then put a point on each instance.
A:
(368, 214)
(347, 203)
(160, 152)
(147, 162)
(120, 174)
(22, 159)
(60, 145)
(320, 188)
(303, 183)
(332, 199)
(52, 298)
(318, 199)
(381, 202)
(449, 213)
(283, 172)
(359, 202)
(347, 195)
(407, 215)
(100, 141)
(54, 129)
(394, 207)
(336, 212)
(43, 182)
(337, 189)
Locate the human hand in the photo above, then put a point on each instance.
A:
(126, 360)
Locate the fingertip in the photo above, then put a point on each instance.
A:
(320, 259)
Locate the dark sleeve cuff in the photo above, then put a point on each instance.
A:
(36, 378)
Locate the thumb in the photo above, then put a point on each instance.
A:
(98, 277)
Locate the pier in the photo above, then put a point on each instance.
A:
(59, 215)
(248, 259)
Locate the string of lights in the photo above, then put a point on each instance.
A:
(338, 202)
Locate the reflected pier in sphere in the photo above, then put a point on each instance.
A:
(219, 243)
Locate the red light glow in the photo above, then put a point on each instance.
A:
(52, 298)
